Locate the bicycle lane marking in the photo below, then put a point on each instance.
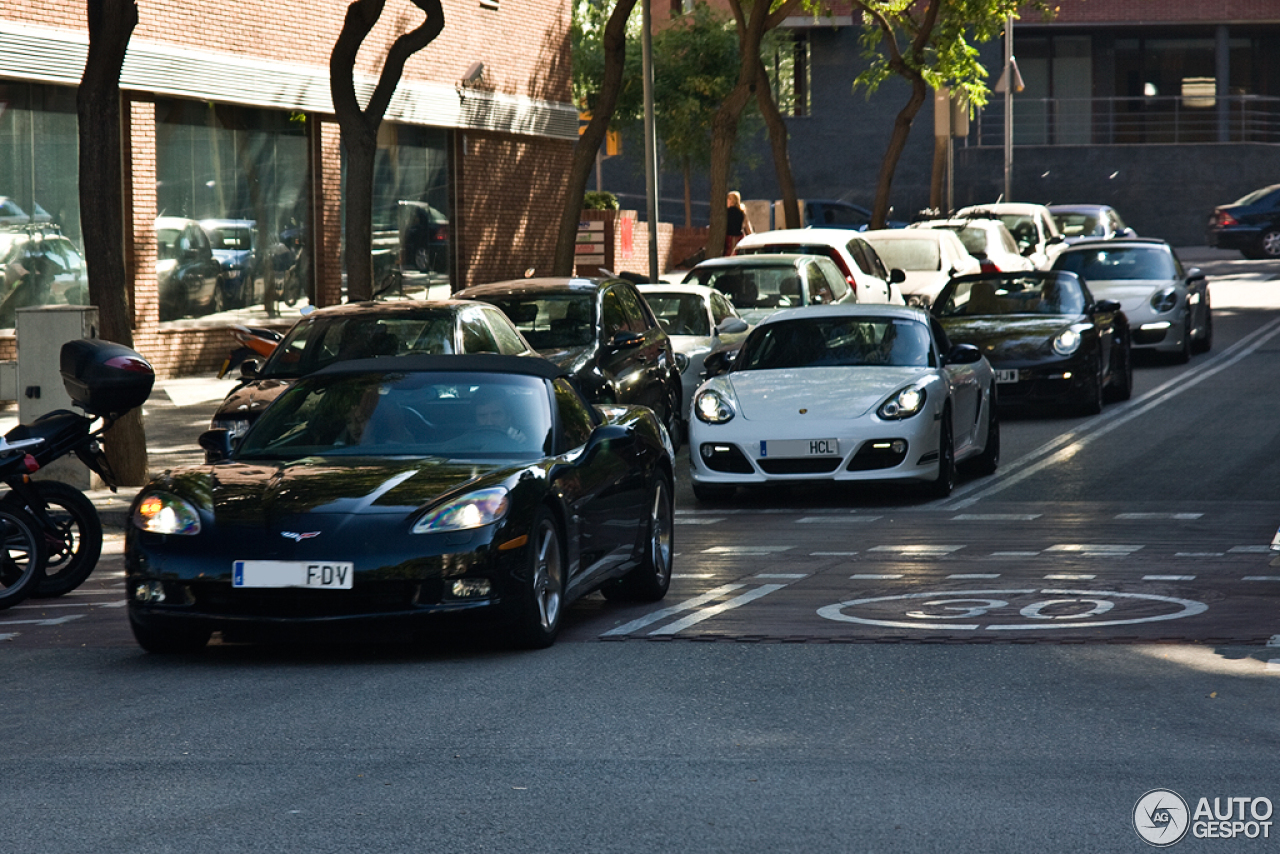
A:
(1078, 439)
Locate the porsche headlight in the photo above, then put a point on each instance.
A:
(682, 362)
(162, 513)
(1066, 342)
(903, 404)
(1164, 300)
(712, 408)
(473, 510)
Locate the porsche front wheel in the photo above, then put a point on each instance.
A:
(541, 600)
(946, 480)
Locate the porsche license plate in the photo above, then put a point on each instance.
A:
(800, 448)
(328, 575)
(1007, 376)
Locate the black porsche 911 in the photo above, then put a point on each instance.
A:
(393, 494)
(1048, 339)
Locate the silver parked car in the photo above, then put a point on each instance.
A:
(698, 319)
(1167, 305)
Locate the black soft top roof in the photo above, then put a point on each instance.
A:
(534, 366)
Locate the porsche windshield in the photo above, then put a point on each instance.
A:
(1033, 293)
(446, 414)
(837, 342)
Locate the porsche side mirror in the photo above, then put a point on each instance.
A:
(731, 326)
(1194, 273)
(1106, 306)
(964, 354)
(216, 443)
(897, 276)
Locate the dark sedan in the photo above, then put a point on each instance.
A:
(362, 330)
(602, 332)
(1048, 339)
(394, 494)
(1250, 224)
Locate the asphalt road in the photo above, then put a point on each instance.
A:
(833, 670)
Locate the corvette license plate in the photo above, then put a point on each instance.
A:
(800, 448)
(1006, 376)
(328, 575)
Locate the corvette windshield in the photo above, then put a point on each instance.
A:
(1039, 293)
(447, 414)
(837, 342)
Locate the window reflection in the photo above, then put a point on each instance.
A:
(41, 255)
(232, 194)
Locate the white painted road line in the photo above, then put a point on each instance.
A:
(1199, 554)
(1168, 578)
(746, 550)
(1094, 548)
(960, 575)
(662, 614)
(1249, 550)
(918, 549)
(995, 517)
(873, 577)
(839, 520)
(707, 613)
(1015, 554)
(1063, 448)
(701, 520)
(1274, 640)
(1070, 576)
(1187, 517)
(832, 554)
(53, 621)
(790, 576)
(1261, 578)
(701, 575)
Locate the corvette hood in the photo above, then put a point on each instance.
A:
(1011, 338)
(822, 392)
(1132, 294)
(254, 495)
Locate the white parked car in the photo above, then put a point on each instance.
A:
(862, 268)
(1032, 226)
(697, 319)
(844, 393)
(928, 257)
(985, 239)
(759, 285)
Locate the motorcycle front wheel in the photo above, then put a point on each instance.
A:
(73, 536)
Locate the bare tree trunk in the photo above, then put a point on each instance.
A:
(778, 142)
(940, 144)
(686, 168)
(103, 209)
(592, 137)
(893, 152)
(359, 127)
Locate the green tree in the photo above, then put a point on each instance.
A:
(599, 35)
(752, 19)
(359, 127)
(929, 43)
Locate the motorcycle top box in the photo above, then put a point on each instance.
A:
(104, 378)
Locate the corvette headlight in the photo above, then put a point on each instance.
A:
(473, 510)
(903, 404)
(161, 513)
(1164, 300)
(712, 408)
(1066, 342)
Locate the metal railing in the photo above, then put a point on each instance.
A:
(1184, 120)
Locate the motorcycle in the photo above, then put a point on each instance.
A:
(23, 553)
(255, 343)
(107, 381)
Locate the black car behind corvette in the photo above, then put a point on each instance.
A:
(1048, 339)
(399, 493)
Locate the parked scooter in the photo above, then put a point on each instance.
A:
(23, 555)
(107, 381)
(255, 343)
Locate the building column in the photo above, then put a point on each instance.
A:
(140, 173)
(326, 195)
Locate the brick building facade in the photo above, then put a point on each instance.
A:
(201, 78)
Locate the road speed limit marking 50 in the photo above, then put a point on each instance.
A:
(1011, 610)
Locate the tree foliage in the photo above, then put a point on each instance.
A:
(930, 44)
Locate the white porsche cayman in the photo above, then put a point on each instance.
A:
(845, 393)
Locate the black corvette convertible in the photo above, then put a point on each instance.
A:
(1048, 339)
(389, 495)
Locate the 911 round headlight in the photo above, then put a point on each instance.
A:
(473, 510)
(712, 408)
(1066, 342)
(1164, 300)
(682, 362)
(162, 513)
(903, 404)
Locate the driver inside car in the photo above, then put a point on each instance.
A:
(493, 412)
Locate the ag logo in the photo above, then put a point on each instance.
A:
(1161, 817)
